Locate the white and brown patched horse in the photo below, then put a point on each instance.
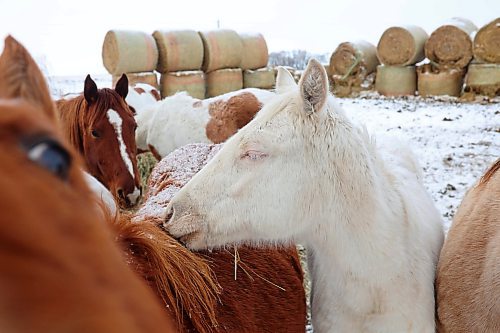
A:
(468, 276)
(302, 171)
(101, 127)
(180, 119)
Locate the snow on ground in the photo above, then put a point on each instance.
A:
(455, 142)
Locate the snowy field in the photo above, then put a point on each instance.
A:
(455, 142)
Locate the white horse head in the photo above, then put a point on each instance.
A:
(300, 171)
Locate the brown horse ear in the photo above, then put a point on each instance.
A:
(90, 90)
(122, 86)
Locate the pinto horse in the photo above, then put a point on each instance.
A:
(60, 268)
(302, 171)
(101, 127)
(468, 276)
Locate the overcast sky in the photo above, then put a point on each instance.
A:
(67, 35)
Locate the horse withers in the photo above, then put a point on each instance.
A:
(101, 127)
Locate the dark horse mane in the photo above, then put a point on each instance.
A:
(75, 112)
(491, 171)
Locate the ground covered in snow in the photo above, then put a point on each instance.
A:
(454, 141)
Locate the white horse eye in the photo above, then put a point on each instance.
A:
(254, 155)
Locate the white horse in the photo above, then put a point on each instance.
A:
(180, 119)
(301, 171)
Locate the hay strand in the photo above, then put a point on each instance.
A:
(254, 53)
(129, 52)
(222, 81)
(450, 45)
(487, 43)
(193, 82)
(223, 49)
(402, 46)
(180, 50)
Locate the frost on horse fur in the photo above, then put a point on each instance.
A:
(302, 171)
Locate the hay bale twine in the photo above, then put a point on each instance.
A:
(134, 78)
(396, 80)
(129, 52)
(450, 45)
(487, 43)
(193, 82)
(254, 53)
(223, 49)
(262, 78)
(180, 50)
(223, 81)
(484, 79)
(402, 46)
(433, 82)
(350, 64)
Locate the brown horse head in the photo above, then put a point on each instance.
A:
(101, 126)
(60, 269)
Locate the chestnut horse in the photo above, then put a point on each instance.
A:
(101, 127)
(468, 276)
(60, 269)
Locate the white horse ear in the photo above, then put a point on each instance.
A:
(284, 81)
(314, 87)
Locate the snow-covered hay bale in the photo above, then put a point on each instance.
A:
(223, 81)
(450, 45)
(487, 43)
(254, 53)
(350, 64)
(134, 78)
(180, 50)
(193, 82)
(262, 78)
(402, 46)
(129, 52)
(433, 82)
(396, 80)
(484, 79)
(223, 49)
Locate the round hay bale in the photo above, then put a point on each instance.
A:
(178, 50)
(487, 43)
(222, 81)
(129, 52)
(350, 64)
(223, 49)
(402, 46)
(254, 53)
(134, 78)
(262, 78)
(396, 80)
(484, 79)
(193, 82)
(432, 82)
(450, 45)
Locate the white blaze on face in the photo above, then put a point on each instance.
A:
(116, 121)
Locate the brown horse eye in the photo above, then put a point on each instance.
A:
(50, 155)
(95, 133)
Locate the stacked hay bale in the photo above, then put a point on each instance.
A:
(180, 61)
(399, 49)
(131, 52)
(254, 59)
(351, 66)
(223, 55)
(483, 76)
(449, 49)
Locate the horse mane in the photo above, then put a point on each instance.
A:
(183, 280)
(491, 171)
(75, 112)
(20, 77)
